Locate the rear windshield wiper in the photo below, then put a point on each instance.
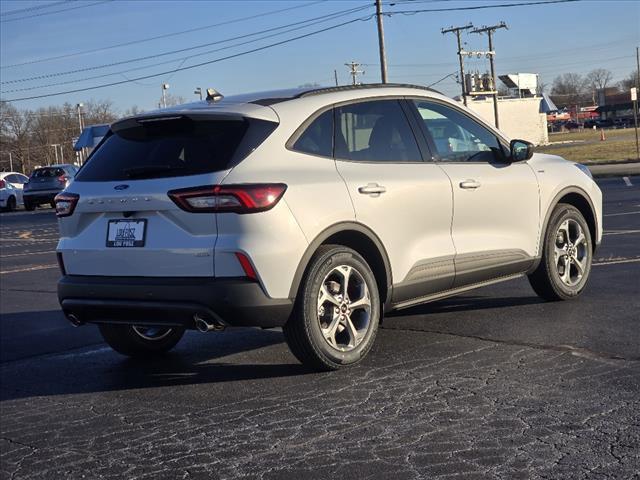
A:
(137, 172)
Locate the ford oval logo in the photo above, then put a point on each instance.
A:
(121, 187)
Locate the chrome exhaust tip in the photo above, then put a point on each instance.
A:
(206, 324)
(74, 319)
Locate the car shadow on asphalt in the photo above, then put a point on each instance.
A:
(192, 363)
(468, 303)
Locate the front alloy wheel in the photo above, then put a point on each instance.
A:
(566, 256)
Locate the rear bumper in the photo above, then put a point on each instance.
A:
(40, 197)
(169, 301)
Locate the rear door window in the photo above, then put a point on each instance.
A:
(375, 131)
(170, 147)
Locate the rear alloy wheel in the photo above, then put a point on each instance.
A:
(337, 312)
(140, 341)
(566, 261)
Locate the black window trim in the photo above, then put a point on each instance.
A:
(400, 100)
(303, 128)
(502, 141)
(423, 147)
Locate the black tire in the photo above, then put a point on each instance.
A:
(303, 331)
(546, 280)
(11, 204)
(53, 204)
(126, 340)
(28, 206)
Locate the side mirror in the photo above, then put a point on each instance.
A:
(520, 150)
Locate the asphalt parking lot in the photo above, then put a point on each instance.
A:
(493, 384)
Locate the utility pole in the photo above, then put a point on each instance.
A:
(634, 98)
(489, 31)
(10, 163)
(383, 55)
(354, 72)
(457, 31)
(79, 107)
(335, 75)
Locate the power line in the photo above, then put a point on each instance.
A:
(318, 19)
(158, 37)
(55, 11)
(478, 7)
(31, 9)
(182, 61)
(228, 57)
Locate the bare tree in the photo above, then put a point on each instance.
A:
(172, 100)
(134, 110)
(569, 89)
(631, 80)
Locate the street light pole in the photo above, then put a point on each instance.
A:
(165, 87)
(198, 91)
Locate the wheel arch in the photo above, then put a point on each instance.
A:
(578, 198)
(361, 239)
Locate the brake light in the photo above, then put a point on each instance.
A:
(249, 271)
(66, 203)
(242, 198)
(2, 184)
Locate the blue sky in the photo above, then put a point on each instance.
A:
(545, 39)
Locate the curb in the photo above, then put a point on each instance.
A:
(615, 169)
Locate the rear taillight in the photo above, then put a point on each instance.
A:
(243, 198)
(66, 203)
(2, 184)
(62, 179)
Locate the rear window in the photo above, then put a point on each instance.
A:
(170, 148)
(47, 172)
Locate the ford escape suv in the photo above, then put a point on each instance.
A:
(314, 210)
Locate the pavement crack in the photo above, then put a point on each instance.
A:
(576, 351)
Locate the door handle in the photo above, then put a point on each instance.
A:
(372, 189)
(470, 184)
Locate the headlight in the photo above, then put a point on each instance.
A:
(584, 169)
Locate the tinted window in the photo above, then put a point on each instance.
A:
(169, 148)
(457, 137)
(48, 172)
(12, 179)
(317, 139)
(376, 131)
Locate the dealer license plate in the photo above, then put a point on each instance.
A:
(126, 233)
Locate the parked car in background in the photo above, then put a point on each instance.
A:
(607, 122)
(590, 123)
(573, 125)
(315, 210)
(11, 184)
(45, 183)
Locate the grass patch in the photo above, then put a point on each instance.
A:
(620, 145)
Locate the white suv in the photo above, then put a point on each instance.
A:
(315, 210)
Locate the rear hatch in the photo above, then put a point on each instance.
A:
(124, 223)
(47, 178)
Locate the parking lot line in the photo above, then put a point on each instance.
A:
(615, 262)
(29, 269)
(622, 213)
(621, 232)
(27, 253)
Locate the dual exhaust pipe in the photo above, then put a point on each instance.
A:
(204, 322)
(207, 323)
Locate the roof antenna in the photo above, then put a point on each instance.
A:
(213, 95)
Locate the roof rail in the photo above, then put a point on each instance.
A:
(346, 88)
